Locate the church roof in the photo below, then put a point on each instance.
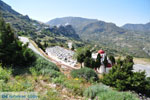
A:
(101, 52)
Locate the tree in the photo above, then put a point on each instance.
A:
(72, 47)
(112, 59)
(80, 58)
(87, 62)
(98, 62)
(12, 51)
(122, 77)
(88, 53)
(105, 62)
(81, 54)
(119, 62)
(129, 59)
(45, 44)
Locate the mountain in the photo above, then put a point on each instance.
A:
(108, 35)
(37, 31)
(83, 24)
(19, 21)
(137, 27)
(102, 27)
(64, 31)
(78, 23)
(67, 31)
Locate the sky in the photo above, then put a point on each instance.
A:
(119, 12)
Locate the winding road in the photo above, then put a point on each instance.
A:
(31, 46)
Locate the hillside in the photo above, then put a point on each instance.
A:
(67, 31)
(109, 35)
(78, 23)
(18, 21)
(137, 27)
(36, 30)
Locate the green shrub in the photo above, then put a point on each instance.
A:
(86, 73)
(92, 91)
(102, 92)
(89, 62)
(42, 63)
(122, 77)
(59, 80)
(55, 74)
(4, 73)
(52, 73)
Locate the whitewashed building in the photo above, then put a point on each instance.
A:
(103, 69)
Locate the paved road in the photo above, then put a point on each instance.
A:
(31, 46)
(138, 67)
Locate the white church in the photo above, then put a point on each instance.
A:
(103, 69)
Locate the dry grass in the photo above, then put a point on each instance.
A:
(144, 61)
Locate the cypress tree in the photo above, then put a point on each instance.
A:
(112, 59)
(98, 61)
(105, 62)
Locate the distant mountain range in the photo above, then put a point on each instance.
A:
(137, 27)
(78, 23)
(134, 41)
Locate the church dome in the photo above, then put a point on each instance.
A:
(101, 52)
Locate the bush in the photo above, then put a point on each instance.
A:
(89, 62)
(92, 91)
(102, 92)
(122, 77)
(59, 80)
(52, 73)
(86, 73)
(42, 66)
(4, 74)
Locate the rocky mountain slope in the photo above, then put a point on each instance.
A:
(38, 31)
(19, 21)
(78, 23)
(109, 35)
